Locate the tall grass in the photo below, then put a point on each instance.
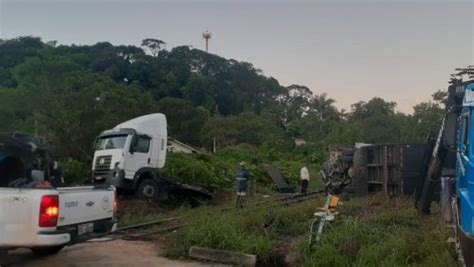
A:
(372, 231)
(381, 232)
(256, 231)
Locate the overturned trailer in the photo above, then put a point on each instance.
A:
(394, 169)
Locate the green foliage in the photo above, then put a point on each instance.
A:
(9, 109)
(76, 172)
(185, 120)
(223, 233)
(208, 171)
(246, 128)
(217, 171)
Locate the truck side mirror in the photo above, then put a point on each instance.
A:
(450, 133)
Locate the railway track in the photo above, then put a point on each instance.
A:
(143, 231)
(293, 198)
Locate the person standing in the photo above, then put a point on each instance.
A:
(304, 177)
(241, 178)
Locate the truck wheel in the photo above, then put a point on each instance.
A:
(148, 189)
(360, 172)
(46, 250)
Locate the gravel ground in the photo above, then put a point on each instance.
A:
(105, 253)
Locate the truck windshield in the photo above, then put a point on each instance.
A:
(110, 142)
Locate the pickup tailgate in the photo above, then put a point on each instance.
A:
(16, 215)
(85, 204)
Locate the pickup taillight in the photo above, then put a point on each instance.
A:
(49, 211)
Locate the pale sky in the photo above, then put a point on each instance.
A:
(354, 50)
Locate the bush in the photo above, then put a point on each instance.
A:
(217, 170)
(199, 170)
(76, 172)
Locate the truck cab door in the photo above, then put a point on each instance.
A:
(139, 155)
(463, 147)
(465, 174)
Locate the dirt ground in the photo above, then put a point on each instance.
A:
(102, 253)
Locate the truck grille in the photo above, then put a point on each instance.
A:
(102, 165)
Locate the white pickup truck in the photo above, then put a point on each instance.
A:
(40, 217)
(46, 220)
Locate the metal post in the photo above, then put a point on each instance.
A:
(385, 170)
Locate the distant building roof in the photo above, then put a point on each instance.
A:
(176, 146)
(299, 141)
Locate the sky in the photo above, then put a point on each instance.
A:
(353, 50)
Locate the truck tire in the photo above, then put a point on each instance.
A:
(360, 180)
(148, 189)
(45, 251)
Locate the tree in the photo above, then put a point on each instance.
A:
(70, 93)
(184, 120)
(10, 110)
(440, 97)
(297, 100)
(363, 110)
(154, 45)
(201, 92)
(246, 128)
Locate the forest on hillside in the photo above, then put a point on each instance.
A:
(69, 94)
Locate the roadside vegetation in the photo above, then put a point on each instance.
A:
(380, 231)
(259, 231)
(217, 171)
(371, 231)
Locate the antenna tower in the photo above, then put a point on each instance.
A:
(207, 36)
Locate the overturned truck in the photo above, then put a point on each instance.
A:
(394, 169)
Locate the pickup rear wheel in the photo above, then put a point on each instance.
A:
(148, 189)
(46, 250)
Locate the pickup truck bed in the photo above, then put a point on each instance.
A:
(52, 218)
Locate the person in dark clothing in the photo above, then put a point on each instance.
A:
(55, 174)
(11, 168)
(241, 178)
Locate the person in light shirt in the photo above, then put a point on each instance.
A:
(304, 177)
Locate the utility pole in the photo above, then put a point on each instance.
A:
(207, 36)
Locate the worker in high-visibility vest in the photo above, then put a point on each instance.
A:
(241, 179)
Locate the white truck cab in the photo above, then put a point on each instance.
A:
(130, 155)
